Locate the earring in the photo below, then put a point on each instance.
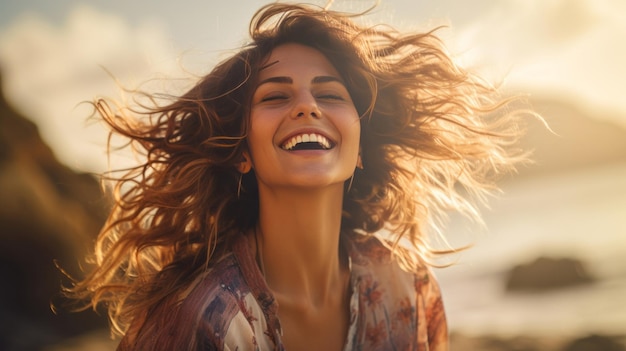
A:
(239, 186)
(350, 184)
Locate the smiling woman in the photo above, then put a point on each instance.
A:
(301, 99)
(284, 200)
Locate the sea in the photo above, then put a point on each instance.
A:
(579, 214)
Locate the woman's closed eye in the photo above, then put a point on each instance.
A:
(274, 97)
(330, 97)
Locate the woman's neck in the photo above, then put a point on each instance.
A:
(298, 238)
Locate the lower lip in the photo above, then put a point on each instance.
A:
(307, 152)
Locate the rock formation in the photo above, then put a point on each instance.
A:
(47, 212)
(547, 273)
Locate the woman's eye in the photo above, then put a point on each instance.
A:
(273, 98)
(330, 97)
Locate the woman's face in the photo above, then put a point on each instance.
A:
(304, 128)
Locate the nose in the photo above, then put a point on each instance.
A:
(305, 105)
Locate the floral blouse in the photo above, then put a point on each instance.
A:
(390, 309)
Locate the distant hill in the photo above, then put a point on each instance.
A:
(582, 140)
(47, 212)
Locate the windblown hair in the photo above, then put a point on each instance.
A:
(432, 138)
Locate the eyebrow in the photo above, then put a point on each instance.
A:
(288, 80)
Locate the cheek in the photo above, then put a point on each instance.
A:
(353, 130)
(260, 136)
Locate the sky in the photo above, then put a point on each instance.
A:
(55, 55)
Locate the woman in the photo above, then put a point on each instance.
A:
(285, 199)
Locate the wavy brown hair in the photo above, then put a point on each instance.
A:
(431, 139)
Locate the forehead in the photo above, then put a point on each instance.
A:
(296, 59)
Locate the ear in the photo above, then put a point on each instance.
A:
(359, 161)
(246, 164)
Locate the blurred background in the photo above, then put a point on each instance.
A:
(547, 273)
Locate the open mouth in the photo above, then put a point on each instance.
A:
(311, 141)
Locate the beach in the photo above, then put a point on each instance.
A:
(578, 214)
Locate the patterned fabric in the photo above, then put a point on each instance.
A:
(390, 309)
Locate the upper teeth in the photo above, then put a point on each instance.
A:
(306, 138)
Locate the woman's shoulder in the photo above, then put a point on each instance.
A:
(372, 258)
(368, 249)
(375, 250)
(231, 274)
(179, 318)
(233, 300)
(220, 287)
(408, 298)
(203, 313)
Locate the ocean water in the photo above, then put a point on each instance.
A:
(579, 214)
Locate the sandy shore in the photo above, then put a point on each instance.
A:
(591, 342)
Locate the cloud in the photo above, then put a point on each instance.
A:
(48, 70)
(566, 47)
